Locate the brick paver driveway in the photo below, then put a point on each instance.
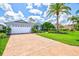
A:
(32, 44)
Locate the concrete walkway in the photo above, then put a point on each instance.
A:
(34, 45)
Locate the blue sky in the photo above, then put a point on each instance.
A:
(74, 7)
(27, 10)
(23, 8)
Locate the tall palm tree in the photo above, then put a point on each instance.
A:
(73, 19)
(77, 12)
(58, 9)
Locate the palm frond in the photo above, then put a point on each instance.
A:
(67, 8)
(74, 18)
(66, 12)
(77, 11)
(49, 14)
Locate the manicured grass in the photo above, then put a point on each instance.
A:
(3, 43)
(72, 38)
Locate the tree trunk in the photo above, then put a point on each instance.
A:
(57, 23)
(73, 25)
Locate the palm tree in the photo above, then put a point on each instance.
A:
(77, 11)
(58, 9)
(77, 25)
(77, 15)
(73, 19)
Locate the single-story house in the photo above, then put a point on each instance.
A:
(19, 26)
(70, 27)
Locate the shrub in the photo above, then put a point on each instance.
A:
(34, 30)
(64, 29)
(77, 27)
(3, 35)
(39, 31)
(47, 26)
(3, 30)
(36, 26)
(8, 30)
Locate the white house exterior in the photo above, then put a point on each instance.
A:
(20, 26)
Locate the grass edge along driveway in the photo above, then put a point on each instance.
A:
(3, 43)
(72, 38)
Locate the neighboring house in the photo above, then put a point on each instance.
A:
(19, 26)
(60, 26)
(70, 27)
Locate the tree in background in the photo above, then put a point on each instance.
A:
(74, 20)
(47, 26)
(57, 9)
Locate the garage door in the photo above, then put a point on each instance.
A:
(17, 30)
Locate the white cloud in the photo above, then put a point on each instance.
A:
(35, 17)
(46, 4)
(10, 15)
(29, 6)
(69, 15)
(20, 14)
(63, 17)
(45, 14)
(6, 6)
(37, 4)
(35, 11)
(52, 20)
(2, 19)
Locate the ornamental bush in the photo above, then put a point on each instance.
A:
(34, 30)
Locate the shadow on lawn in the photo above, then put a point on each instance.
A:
(60, 32)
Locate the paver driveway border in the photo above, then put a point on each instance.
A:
(34, 45)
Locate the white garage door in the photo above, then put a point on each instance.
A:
(17, 30)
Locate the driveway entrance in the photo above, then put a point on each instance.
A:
(32, 44)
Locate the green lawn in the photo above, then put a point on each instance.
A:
(72, 38)
(3, 43)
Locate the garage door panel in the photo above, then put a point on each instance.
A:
(20, 30)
